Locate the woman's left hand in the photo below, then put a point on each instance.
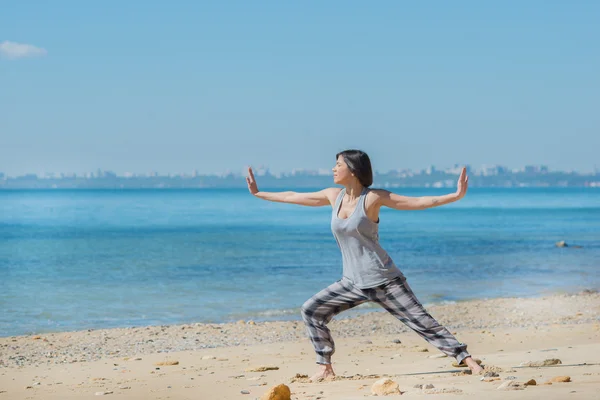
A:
(463, 184)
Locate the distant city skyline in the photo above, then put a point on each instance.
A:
(242, 168)
(482, 170)
(214, 86)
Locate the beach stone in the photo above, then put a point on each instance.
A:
(489, 379)
(511, 385)
(103, 393)
(560, 379)
(397, 341)
(545, 363)
(442, 391)
(262, 369)
(279, 392)
(424, 386)
(384, 387)
(245, 392)
(166, 363)
(420, 349)
(531, 382)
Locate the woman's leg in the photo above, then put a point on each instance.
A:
(321, 308)
(398, 299)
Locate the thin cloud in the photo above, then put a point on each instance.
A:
(14, 51)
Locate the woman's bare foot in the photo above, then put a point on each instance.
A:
(325, 372)
(472, 364)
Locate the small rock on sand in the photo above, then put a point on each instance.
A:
(545, 363)
(424, 386)
(531, 382)
(262, 369)
(103, 393)
(442, 391)
(420, 349)
(384, 387)
(560, 379)
(165, 363)
(301, 378)
(209, 358)
(279, 392)
(511, 385)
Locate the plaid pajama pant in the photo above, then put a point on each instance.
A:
(395, 296)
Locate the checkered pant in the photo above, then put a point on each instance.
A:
(396, 297)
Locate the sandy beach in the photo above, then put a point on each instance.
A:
(244, 360)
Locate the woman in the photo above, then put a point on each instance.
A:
(369, 274)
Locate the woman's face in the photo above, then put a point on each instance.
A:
(341, 172)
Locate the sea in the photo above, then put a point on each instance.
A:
(90, 259)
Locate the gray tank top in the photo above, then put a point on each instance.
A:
(365, 263)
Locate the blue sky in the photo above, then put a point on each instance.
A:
(176, 86)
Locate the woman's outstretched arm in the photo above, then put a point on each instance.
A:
(323, 197)
(398, 202)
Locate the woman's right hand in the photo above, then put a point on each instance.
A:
(252, 188)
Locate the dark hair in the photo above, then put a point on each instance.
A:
(359, 163)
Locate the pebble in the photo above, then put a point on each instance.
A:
(385, 386)
(103, 393)
(511, 385)
(545, 363)
(262, 369)
(166, 363)
(245, 392)
(560, 379)
(424, 386)
(442, 390)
